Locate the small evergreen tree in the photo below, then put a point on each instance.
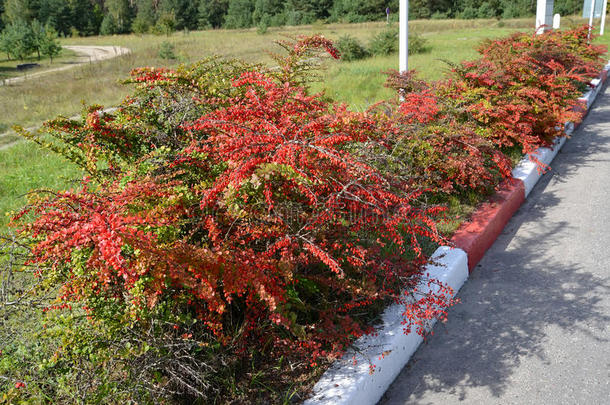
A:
(49, 45)
(166, 51)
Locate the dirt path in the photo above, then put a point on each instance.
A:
(86, 54)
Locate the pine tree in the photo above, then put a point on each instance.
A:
(211, 13)
(48, 45)
(239, 14)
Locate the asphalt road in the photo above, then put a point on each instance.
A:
(534, 323)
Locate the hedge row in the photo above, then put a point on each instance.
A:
(233, 229)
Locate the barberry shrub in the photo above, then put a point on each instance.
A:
(229, 221)
(441, 153)
(525, 87)
(232, 227)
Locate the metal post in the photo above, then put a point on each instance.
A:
(544, 15)
(591, 14)
(603, 21)
(403, 33)
(556, 21)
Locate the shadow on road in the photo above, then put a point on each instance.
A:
(516, 294)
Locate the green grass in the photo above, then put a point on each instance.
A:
(360, 83)
(34, 101)
(24, 167)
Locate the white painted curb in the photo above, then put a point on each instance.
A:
(529, 172)
(349, 381)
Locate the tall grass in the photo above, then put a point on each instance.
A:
(38, 99)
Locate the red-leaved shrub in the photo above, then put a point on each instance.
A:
(440, 152)
(250, 211)
(524, 87)
(233, 225)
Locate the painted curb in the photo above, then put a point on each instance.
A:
(529, 172)
(485, 225)
(477, 235)
(349, 381)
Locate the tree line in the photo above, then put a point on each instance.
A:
(470, 9)
(93, 17)
(21, 39)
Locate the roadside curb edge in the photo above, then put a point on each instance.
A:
(350, 380)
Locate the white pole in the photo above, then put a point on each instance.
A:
(403, 34)
(591, 14)
(603, 22)
(540, 16)
(556, 21)
(544, 15)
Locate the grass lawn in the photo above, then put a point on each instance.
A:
(24, 167)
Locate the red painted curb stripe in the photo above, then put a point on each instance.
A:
(480, 232)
